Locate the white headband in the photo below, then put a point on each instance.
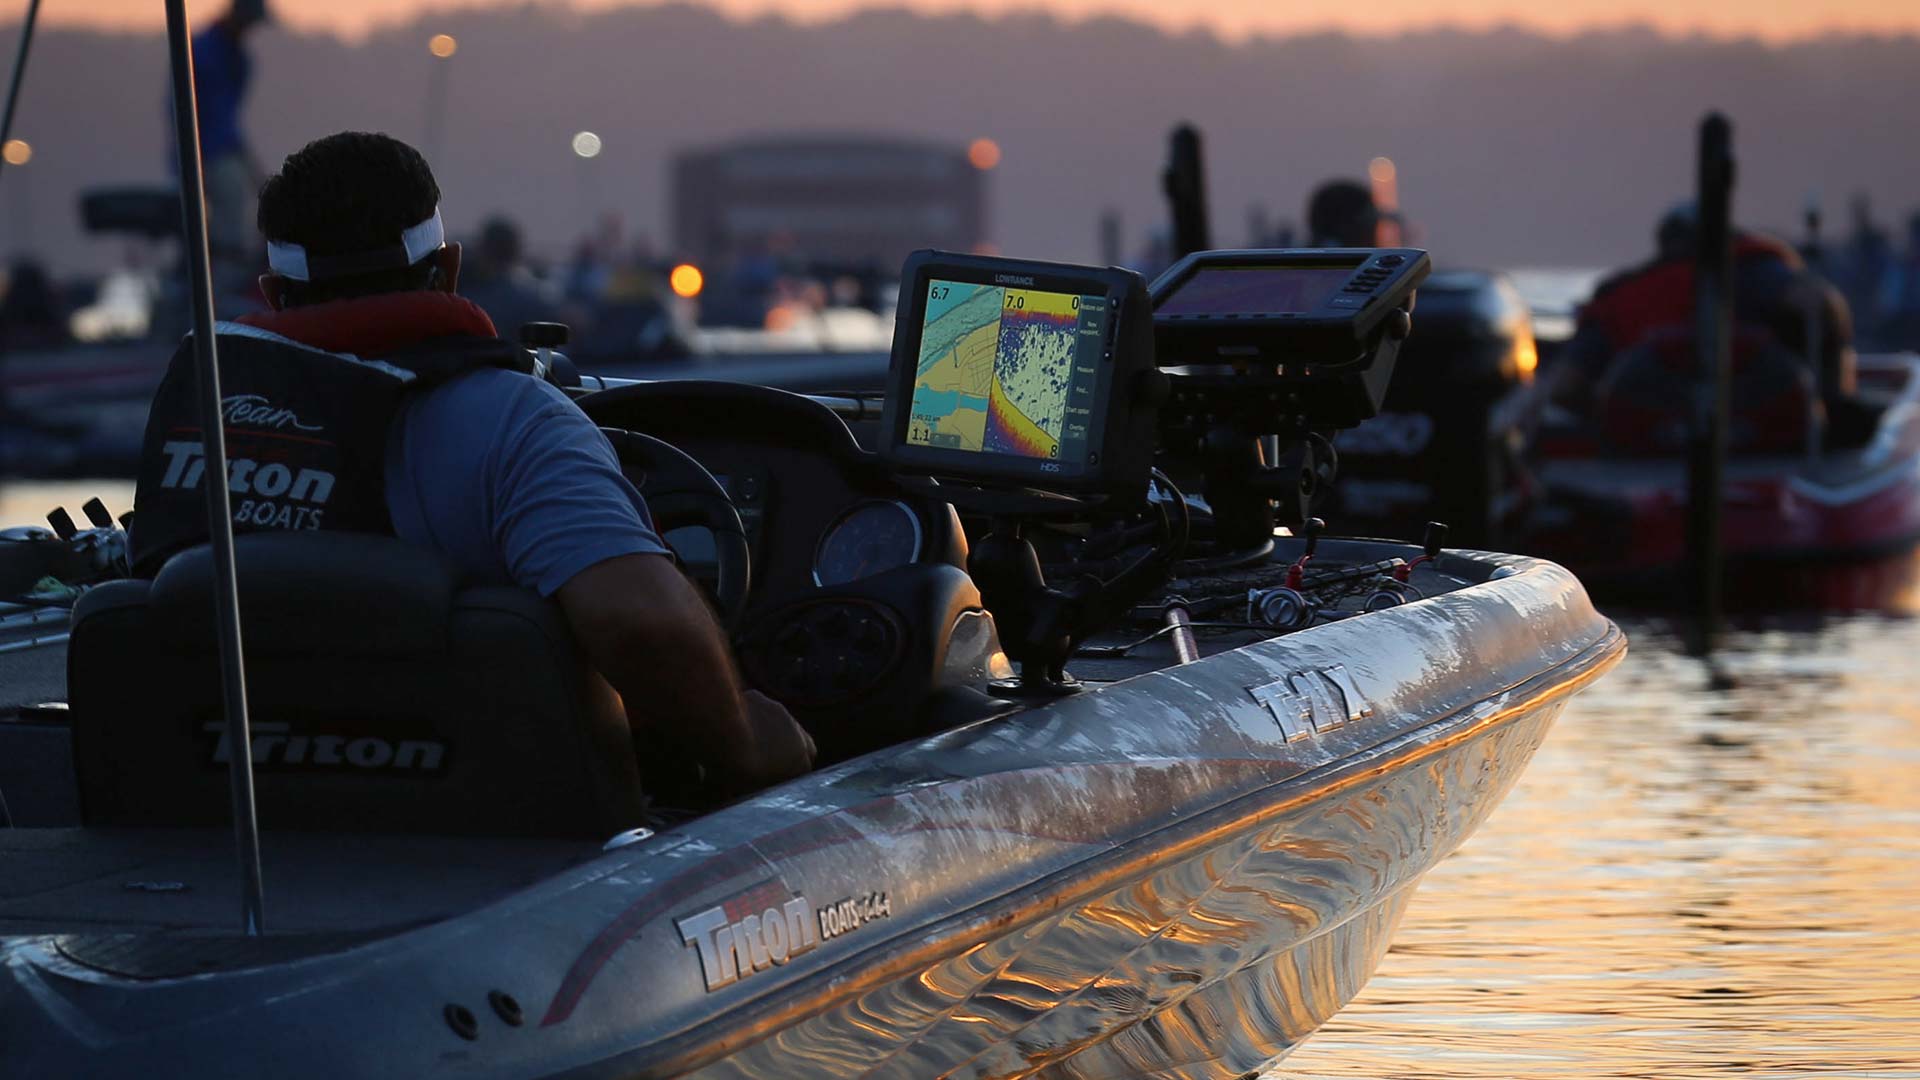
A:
(416, 243)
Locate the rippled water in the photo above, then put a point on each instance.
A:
(1707, 870)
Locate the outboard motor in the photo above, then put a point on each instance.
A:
(1443, 444)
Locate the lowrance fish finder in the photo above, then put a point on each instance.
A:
(1008, 373)
(1316, 330)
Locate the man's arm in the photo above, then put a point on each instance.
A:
(512, 480)
(648, 630)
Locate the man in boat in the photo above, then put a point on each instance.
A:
(393, 406)
(222, 73)
(1772, 291)
(1341, 213)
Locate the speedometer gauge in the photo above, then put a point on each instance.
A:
(871, 537)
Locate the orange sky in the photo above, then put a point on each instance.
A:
(1772, 19)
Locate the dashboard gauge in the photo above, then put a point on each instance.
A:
(871, 537)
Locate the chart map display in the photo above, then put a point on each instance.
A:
(1007, 371)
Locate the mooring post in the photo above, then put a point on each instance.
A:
(1713, 327)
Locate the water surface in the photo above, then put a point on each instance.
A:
(1706, 871)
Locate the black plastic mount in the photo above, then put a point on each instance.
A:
(1040, 623)
(1034, 618)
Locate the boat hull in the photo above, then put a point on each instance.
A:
(1181, 874)
(1837, 531)
(1212, 965)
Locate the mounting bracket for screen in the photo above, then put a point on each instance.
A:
(1291, 343)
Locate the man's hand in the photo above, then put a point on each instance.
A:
(650, 632)
(782, 749)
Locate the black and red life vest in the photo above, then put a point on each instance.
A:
(307, 397)
(1630, 307)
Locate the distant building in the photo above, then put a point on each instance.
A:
(827, 199)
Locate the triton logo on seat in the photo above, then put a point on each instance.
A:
(275, 744)
(186, 466)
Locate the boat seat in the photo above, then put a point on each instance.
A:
(384, 696)
(1773, 403)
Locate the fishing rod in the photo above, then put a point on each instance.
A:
(213, 441)
(19, 73)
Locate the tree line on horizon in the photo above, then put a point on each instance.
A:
(1513, 148)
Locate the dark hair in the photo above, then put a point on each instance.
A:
(1678, 233)
(348, 193)
(1341, 214)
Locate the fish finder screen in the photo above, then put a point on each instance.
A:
(1009, 371)
(1256, 290)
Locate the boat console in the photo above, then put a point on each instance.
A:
(1049, 407)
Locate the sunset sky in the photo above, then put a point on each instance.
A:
(1775, 20)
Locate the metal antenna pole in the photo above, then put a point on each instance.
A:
(1713, 328)
(186, 125)
(19, 73)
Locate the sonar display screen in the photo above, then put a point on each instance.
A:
(1255, 290)
(1008, 371)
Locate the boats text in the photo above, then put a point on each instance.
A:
(853, 913)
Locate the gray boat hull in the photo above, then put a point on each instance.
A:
(1182, 874)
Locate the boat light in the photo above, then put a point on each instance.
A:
(686, 280)
(1526, 357)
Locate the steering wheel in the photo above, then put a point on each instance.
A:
(681, 493)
